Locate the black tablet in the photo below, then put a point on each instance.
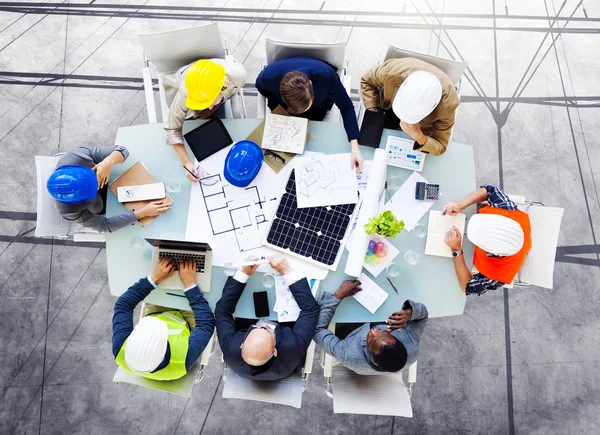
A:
(371, 129)
(210, 137)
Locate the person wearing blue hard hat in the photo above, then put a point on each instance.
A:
(243, 163)
(75, 184)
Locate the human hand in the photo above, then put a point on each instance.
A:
(280, 264)
(102, 171)
(356, 157)
(399, 319)
(452, 209)
(153, 209)
(453, 239)
(203, 114)
(348, 288)
(163, 269)
(187, 272)
(414, 131)
(190, 167)
(249, 270)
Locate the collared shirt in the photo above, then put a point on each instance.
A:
(479, 284)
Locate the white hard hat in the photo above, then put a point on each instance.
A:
(496, 234)
(418, 95)
(147, 344)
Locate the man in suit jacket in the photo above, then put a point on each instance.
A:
(372, 349)
(308, 88)
(267, 350)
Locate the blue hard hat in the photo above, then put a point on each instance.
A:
(72, 184)
(243, 163)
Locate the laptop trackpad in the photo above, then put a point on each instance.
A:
(173, 282)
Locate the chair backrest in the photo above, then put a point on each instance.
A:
(383, 394)
(332, 53)
(538, 268)
(169, 51)
(453, 68)
(287, 391)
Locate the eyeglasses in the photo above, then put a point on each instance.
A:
(275, 156)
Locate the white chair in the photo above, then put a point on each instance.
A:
(182, 386)
(331, 53)
(538, 268)
(169, 51)
(287, 391)
(48, 221)
(382, 394)
(453, 68)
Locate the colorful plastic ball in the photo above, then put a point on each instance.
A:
(382, 249)
(371, 259)
(372, 246)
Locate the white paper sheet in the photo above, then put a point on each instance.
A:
(437, 228)
(404, 205)
(325, 179)
(285, 133)
(286, 307)
(371, 296)
(368, 209)
(392, 253)
(233, 220)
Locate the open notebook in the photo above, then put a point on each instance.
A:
(438, 226)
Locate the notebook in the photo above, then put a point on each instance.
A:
(371, 129)
(137, 175)
(371, 296)
(285, 133)
(438, 226)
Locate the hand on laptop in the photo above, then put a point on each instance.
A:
(163, 269)
(187, 272)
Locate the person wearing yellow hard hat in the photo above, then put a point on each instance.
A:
(197, 91)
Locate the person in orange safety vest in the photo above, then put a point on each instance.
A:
(501, 234)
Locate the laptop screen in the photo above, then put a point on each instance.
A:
(179, 245)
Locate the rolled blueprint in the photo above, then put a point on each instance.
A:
(370, 207)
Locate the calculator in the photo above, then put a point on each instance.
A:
(426, 191)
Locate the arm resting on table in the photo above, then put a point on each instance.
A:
(224, 312)
(307, 320)
(205, 325)
(330, 343)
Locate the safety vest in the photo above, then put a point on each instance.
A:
(179, 333)
(504, 269)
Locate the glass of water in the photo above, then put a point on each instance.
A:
(173, 186)
(268, 280)
(228, 269)
(393, 270)
(411, 257)
(396, 181)
(420, 230)
(137, 242)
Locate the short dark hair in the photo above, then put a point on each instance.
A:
(392, 356)
(296, 91)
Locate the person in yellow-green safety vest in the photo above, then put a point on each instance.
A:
(166, 343)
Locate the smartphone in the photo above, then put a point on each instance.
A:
(426, 191)
(261, 304)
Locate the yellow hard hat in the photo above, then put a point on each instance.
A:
(204, 80)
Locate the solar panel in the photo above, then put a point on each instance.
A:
(315, 233)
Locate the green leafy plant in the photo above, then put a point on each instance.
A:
(384, 224)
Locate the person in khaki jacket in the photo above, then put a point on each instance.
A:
(422, 99)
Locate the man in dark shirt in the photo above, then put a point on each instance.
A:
(267, 350)
(308, 88)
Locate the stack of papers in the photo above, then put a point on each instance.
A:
(438, 226)
(286, 307)
(371, 296)
(404, 205)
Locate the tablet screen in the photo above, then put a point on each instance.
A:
(207, 139)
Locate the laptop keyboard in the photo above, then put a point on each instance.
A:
(176, 256)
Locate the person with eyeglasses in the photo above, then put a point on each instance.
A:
(267, 350)
(198, 91)
(371, 348)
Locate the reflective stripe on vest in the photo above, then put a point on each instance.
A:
(179, 333)
(504, 269)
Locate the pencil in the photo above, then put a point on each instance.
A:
(183, 296)
(191, 173)
(393, 286)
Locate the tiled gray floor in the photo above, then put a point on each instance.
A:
(56, 367)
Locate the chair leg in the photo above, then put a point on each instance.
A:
(328, 388)
(409, 388)
(199, 375)
(304, 381)
(243, 103)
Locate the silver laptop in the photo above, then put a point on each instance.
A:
(177, 250)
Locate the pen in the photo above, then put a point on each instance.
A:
(191, 173)
(393, 286)
(175, 294)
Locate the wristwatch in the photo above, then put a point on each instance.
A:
(456, 253)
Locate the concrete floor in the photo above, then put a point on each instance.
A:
(517, 362)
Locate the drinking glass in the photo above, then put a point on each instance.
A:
(420, 230)
(393, 270)
(137, 242)
(411, 257)
(396, 181)
(268, 280)
(172, 186)
(228, 269)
